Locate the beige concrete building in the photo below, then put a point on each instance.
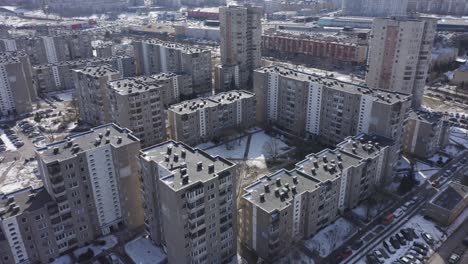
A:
(16, 87)
(154, 56)
(138, 106)
(241, 40)
(425, 133)
(201, 120)
(190, 203)
(311, 106)
(175, 87)
(448, 204)
(400, 55)
(287, 206)
(51, 49)
(58, 76)
(92, 93)
(91, 187)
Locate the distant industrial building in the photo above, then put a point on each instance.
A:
(375, 8)
(73, 7)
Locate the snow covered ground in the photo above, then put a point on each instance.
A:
(331, 237)
(65, 96)
(6, 141)
(459, 136)
(143, 251)
(65, 259)
(295, 257)
(231, 150)
(111, 241)
(19, 176)
(424, 171)
(438, 157)
(261, 148)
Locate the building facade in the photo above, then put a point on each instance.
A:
(51, 49)
(71, 7)
(16, 87)
(425, 133)
(441, 7)
(58, 76)
(241, 31)
(138, 106)
(92, 93)
(400, 55)
(154, 57)
(288, 206)
(190, 200)
(201, 120)
(310, 106)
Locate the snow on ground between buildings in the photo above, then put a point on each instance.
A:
(424, 171)
(262, 146)
(65, 96)
(230, 150)
(436, 157)
(331, 237)
(65, 259)
(295, 257)
(6, 141)
(453, 150)
(459, 136)
(111, 241)
(19, 176)
(143, 251)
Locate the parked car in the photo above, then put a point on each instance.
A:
(407, 234)
(454, 258)
(398, 212)
(428, 238)
(421, 245)
(389, 247)
(415, 254)
(346, 253)
(395, 242)
(401, 239)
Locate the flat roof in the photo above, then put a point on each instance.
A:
(181, 160)
(184, 48)
(11, 57)
(75, 144)
(426, 116)
(97, 71)
(194, 105)
(451, 196)
(136, 85)
(383, 96)
(24, 200)
(80, 62)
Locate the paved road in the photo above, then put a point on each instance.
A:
(453, 243)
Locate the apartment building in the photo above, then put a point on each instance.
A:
(204, 119)
(92, 92)
(400, 54)
(425, 133)
(332, 46)
(441, 7)
(16, 88)
(287, 206)
(174, 87)
(138, 106)
(93, 177)
(54, 48)
(154, 56)
(375, 8)
(311, 106)
(241, 31)
(190, 203)
(58, 76)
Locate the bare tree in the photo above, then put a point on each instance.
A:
(272, 149)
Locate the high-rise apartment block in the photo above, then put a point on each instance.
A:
(400, 54)
(310, 106)
(241, 40)
(375, 8)
(16, 86)
(58, 76)
(138, 106)
(51, 49)
(425, 133)
(91, 187)
(175, 87)
(92, 93)
(153, 56)
(190, 203)
(201, 120)
(287, 206)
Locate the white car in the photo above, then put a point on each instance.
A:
(398, 212)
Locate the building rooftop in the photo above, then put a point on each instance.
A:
(341, 37)
(383, 96)
(25, 200)
(11, 57)
(194, 105)
(80, 62)
(75, 144)
(276, 191)
(451, 196)
(185, 166)
(132, 85)
(97, 71)
(183, 48)
(316, 169)
(426, 116)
